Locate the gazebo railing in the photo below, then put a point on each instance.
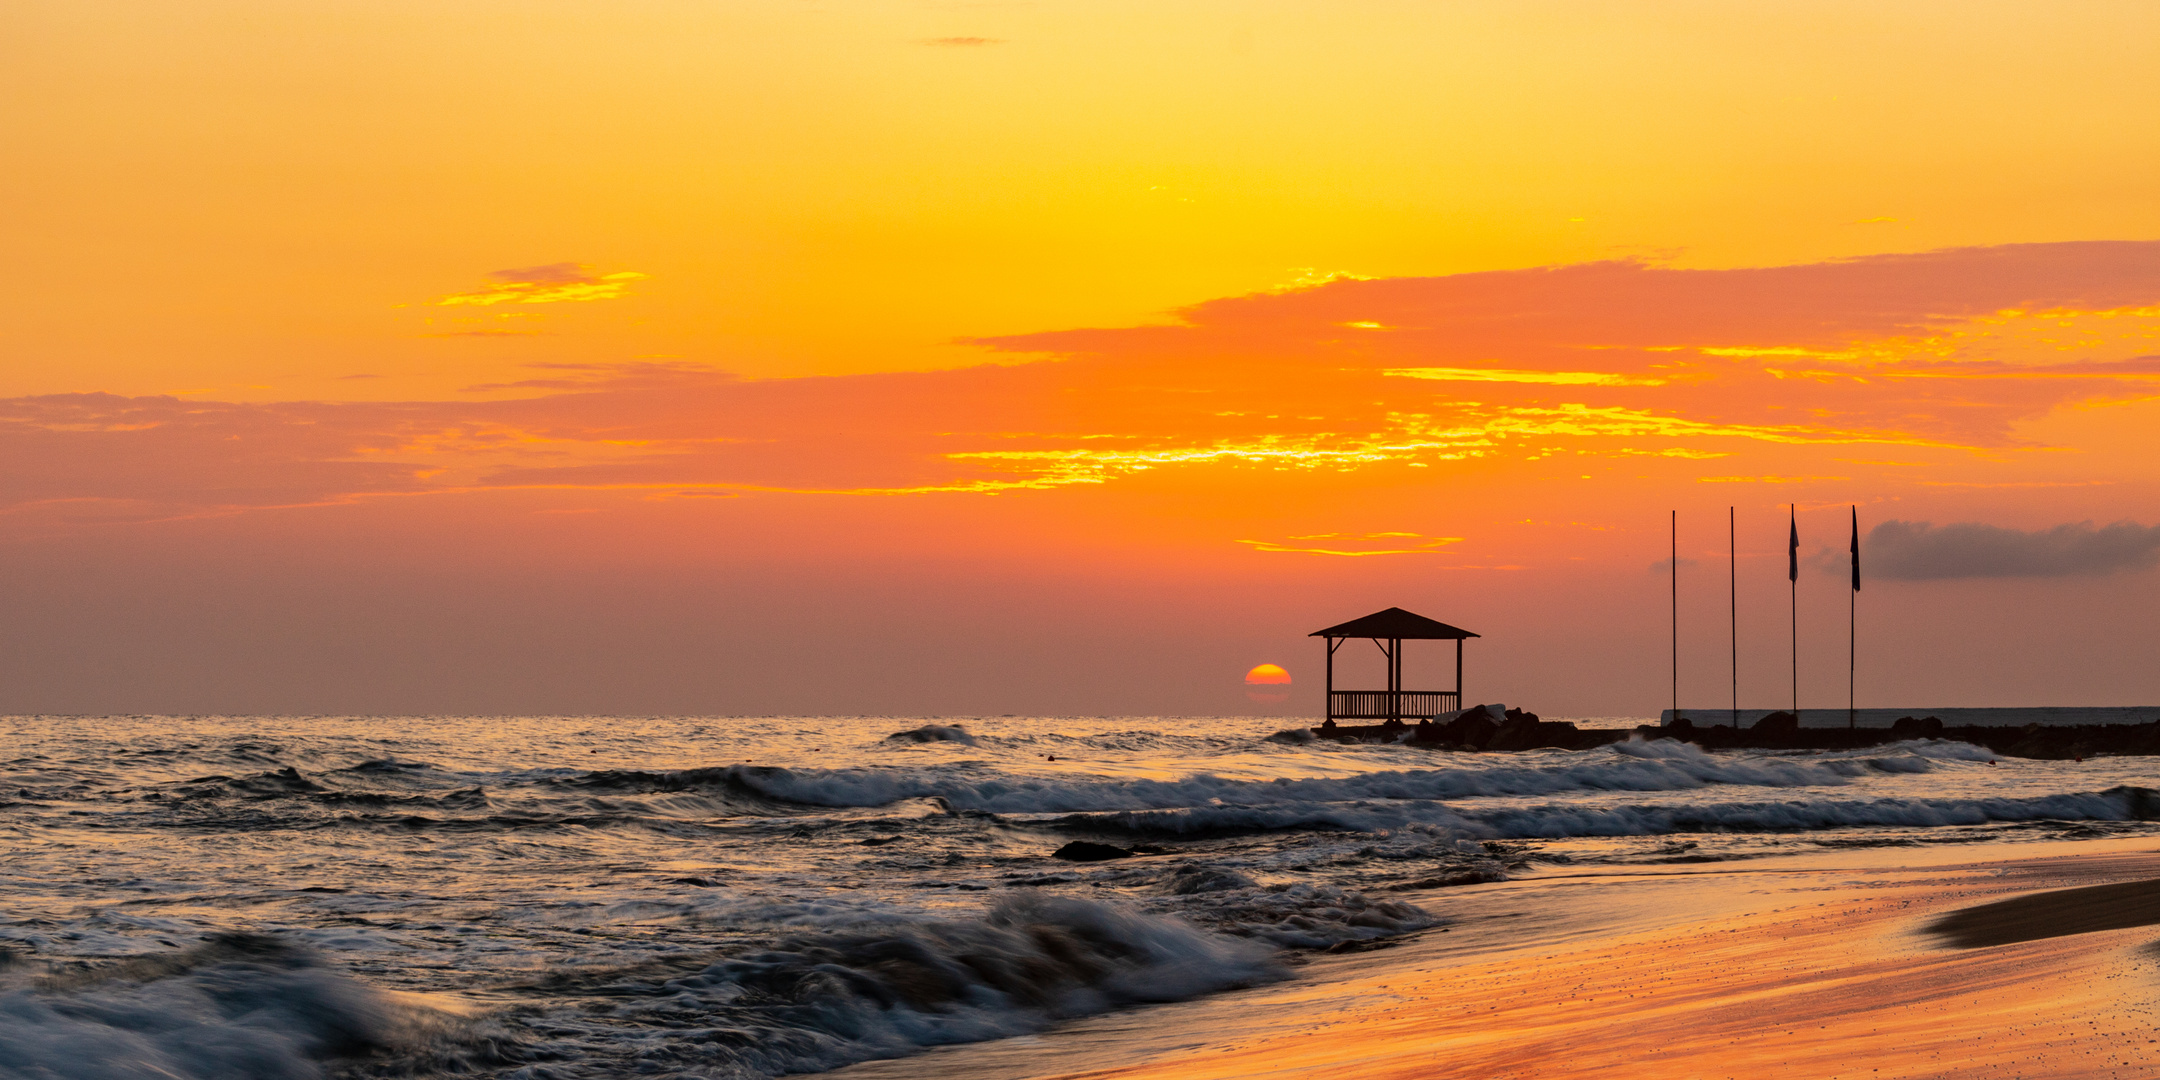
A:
(1374, 704)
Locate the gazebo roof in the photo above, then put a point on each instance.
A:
(1394, 623)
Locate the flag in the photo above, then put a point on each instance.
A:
(1856, 549)
(1792, 553)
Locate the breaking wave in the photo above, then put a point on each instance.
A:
(830, 989)
(1664, 765)
(1554, 821)
(240, 1006)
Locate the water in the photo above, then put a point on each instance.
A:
(580, 897)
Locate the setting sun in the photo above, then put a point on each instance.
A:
(1267, 684)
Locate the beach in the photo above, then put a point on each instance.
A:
(1802, 966)
(581, 898)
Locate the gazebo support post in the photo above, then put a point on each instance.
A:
(1391, 655)
(1331, 644)
(1458, 675)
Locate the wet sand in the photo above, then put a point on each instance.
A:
(1837, 965)
(2053, 914)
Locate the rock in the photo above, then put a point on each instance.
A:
(1908, 727)
(1084, 851)
(1527, 732)
(1681, 726)
(2041, 744)
(1513, 735)
(1777, 725)
(1472, 728)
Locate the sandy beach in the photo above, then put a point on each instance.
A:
(2029, 960)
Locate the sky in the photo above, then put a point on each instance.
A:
(924, 358)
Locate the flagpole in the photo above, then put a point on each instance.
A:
(1732, 586)
(1792, 576)
(1852, 632)
(1674, 566)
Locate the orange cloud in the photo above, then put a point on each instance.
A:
(554, 283)
(1694, 372)
(1353, 544)
(1507, 375)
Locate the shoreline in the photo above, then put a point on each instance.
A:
(1779, 731)
(1817, 965)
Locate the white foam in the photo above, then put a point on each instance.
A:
(844, 986)
(1635, 765)
(1553, 821)
(273, 1015)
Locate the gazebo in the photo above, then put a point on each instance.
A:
(1388, 630)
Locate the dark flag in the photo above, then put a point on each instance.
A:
(1792, 553)
(1856, 549)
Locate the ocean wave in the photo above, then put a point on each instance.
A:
(856, 988)
(1553, 821)
(831, 987)
(240, 1006)
(1637, 765)
(1300, 916)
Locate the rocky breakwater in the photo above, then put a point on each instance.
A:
(1480, 727)
(1497, 727)
(1782, 731)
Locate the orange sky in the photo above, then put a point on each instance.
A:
(774, 357)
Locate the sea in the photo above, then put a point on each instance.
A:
(588, 897)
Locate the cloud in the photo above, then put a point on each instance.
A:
(1268, 387)
(1357, 544)
(1772, 479)
(964, 42)
(1505, 375)
(553, 283)
(1921, 551)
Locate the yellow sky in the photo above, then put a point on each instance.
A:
(259, 200)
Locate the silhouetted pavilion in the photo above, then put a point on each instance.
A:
(1388, 630)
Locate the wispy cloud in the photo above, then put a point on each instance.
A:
(1767, 479)
(1921, 551)
(1357, 544)
(1510, 375)
(554, 283)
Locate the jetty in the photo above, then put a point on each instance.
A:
(1437, 719)
(1498, 728)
